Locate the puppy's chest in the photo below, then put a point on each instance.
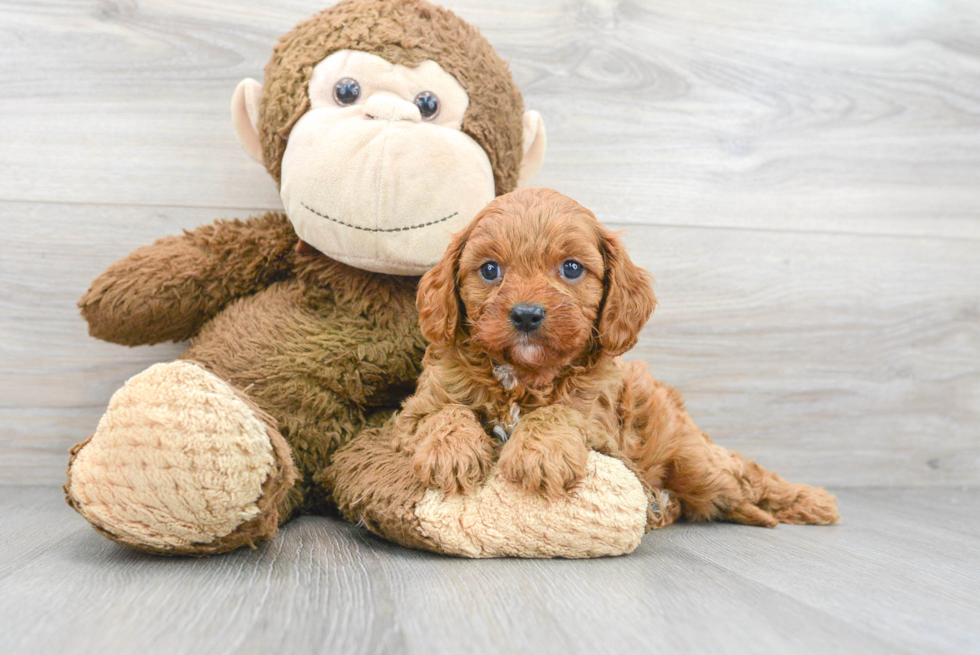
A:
(504, 417)
(512, 403)
(504, 421)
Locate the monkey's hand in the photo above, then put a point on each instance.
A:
(168, 290)
(547, 452)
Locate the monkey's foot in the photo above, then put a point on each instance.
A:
(604, 514)
(375, 485)
(182, 464)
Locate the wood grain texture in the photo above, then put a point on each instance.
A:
(789, 361)
(854, 116)
(803, 179)
(887, 580)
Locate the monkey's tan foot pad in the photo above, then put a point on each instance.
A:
(605, 514)
(181, 463)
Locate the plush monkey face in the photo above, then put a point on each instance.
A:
(367, 179)
(387, 153)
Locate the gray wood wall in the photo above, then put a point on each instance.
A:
(802, 178)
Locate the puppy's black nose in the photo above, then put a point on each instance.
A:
(527, 318)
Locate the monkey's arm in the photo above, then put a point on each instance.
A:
(166, 291)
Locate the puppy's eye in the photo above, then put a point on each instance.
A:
(490, 271)
(346, 92)
(571, 269)
(428, 105)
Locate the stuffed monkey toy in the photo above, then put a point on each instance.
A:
(387, 125)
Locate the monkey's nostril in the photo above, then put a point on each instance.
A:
(381, 106)
(527, 318)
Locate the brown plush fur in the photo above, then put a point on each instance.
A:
(563, 383)
(403, 32)
(320, 346)
(325, 349)
(376, 487)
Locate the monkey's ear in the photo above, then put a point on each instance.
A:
(535, 143)
(245, 104)
(629, 298)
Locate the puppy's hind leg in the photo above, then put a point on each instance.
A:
(718, 483)
(786, 502)
(711, 482)
(671, 454)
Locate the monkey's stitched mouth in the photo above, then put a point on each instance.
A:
(378, 229)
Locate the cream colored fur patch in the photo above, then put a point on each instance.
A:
(177, 459)
(604, 515)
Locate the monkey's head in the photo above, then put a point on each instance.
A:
(388, 124)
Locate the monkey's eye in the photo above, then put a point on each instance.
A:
(490, 271)
(346, 91)
(572, 270)
(428, 105)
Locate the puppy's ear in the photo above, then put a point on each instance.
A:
(628, 301)
(437, 298)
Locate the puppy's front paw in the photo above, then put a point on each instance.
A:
(453, 458)
(549, 467)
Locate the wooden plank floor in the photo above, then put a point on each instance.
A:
(802, 178)
(900, 575)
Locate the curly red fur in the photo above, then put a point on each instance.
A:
(559, 390)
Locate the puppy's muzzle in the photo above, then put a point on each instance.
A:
(527, 318)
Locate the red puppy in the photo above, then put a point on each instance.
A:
(527, 314)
